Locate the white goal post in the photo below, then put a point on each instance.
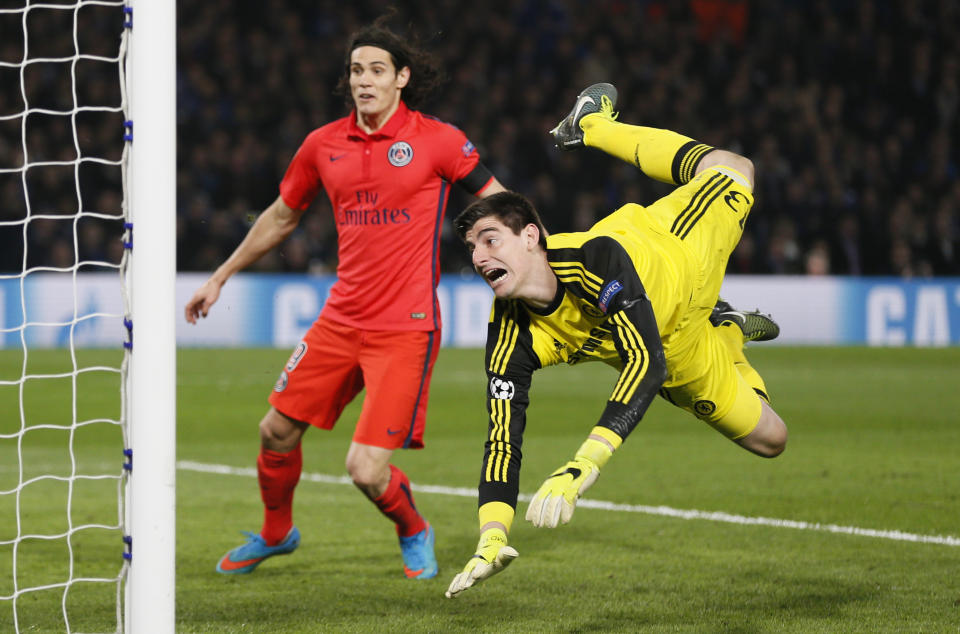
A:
(151, 77)
(87, 447)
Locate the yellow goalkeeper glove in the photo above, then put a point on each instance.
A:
(557, 497)
(492, 556)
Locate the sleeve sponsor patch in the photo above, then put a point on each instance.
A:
(468, 148)
(608, 292)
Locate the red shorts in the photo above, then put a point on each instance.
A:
(334, 362)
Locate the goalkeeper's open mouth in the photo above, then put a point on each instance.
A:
(495, 276)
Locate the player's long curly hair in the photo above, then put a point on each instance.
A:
(425, 72)
(512, 209)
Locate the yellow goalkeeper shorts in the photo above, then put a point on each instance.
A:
(708, 215)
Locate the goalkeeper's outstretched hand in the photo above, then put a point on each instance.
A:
(557, 497)
(492, 556)
(555, 500)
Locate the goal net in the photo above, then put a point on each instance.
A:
(69, 399)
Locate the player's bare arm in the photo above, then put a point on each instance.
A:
(493, 187)
(725, 158)
(271, 228)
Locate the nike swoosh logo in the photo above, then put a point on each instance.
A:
(580, 104)
(336, 158)
(411, 573)
(391, 432)
(572, 471)
(228, 564)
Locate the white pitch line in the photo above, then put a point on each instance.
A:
(665, 511)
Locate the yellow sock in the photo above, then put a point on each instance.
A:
(732, 337)
(663, 155)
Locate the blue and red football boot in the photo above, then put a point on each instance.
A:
(245, 558)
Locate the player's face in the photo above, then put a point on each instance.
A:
(375, 83)
(503, 258)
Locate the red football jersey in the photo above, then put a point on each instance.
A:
(388, 191)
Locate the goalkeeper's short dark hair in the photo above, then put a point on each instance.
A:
(405, 50)
(512, 209)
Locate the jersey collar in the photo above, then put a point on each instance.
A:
(554, 304)
(389, 129)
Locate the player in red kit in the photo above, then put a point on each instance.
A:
(387, 170)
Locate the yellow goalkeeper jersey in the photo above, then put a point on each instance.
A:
(602, 312)
(628, 288)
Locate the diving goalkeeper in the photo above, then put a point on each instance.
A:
(638, 291)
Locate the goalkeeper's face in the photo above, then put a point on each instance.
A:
(503, 258)
(375, 83)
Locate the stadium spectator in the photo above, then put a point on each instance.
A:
(634, 291)
(943, 248)
(385, 169)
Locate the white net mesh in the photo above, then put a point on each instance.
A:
(63, 304)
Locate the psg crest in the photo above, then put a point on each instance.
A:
(400, 153)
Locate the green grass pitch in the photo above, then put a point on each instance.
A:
(874, 444)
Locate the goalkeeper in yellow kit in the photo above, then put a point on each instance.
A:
(638, 291)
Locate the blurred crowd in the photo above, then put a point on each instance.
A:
(849, 110)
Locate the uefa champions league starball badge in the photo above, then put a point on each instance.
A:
(501, 389)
